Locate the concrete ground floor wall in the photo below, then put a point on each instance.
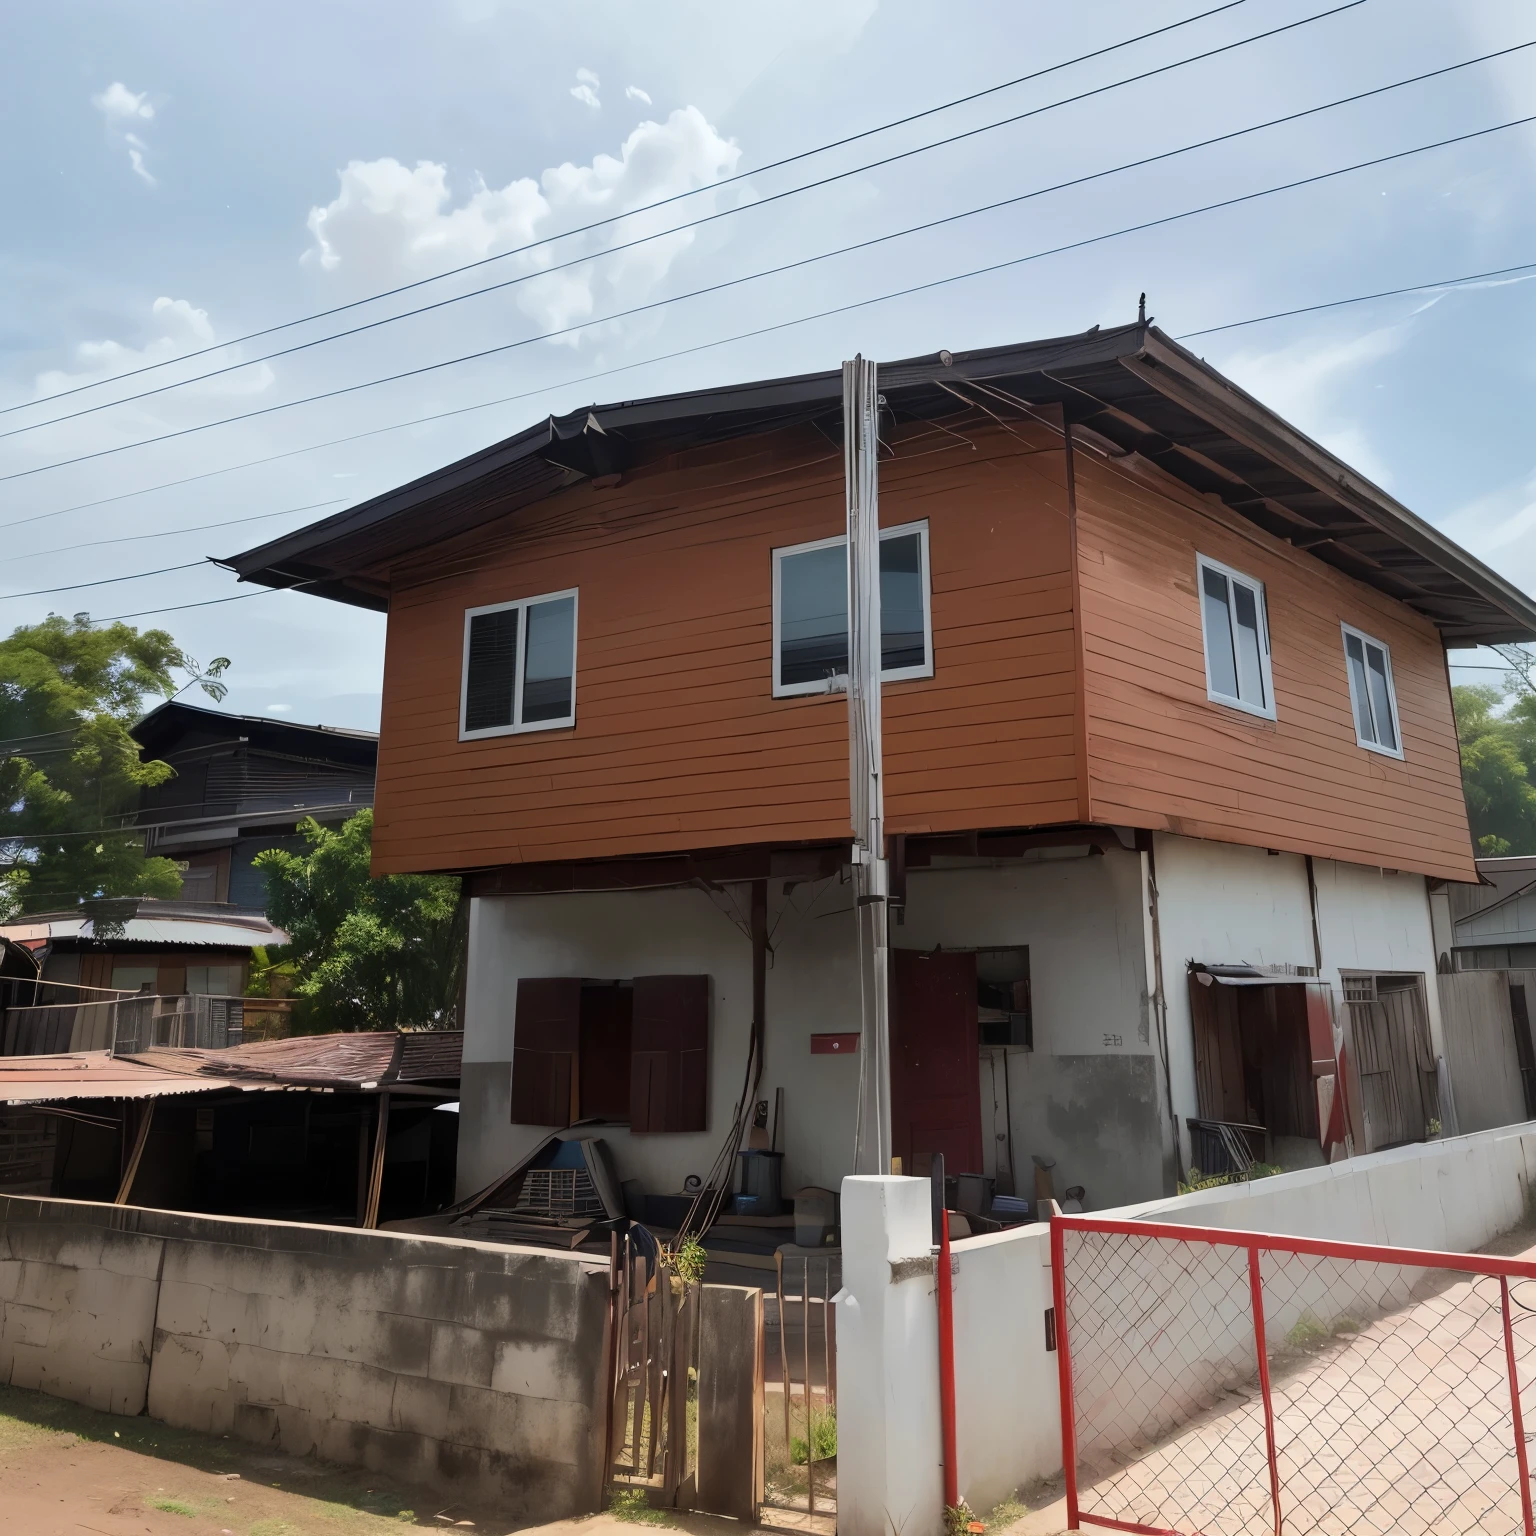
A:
(1109, 1084)
(446, 1363)
(1453, 1195)
(1090, 1095)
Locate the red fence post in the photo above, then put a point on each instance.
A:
(946, 1300)
(1064, 1369)
(1261, 1347)
(1514, 1403)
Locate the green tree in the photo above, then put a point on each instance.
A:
(369, 953)
(1498, 768)
(70, 773)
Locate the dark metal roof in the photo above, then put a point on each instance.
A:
(171, 726)
(1134, 387)
(364, 1060)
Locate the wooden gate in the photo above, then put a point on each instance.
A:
(1399, 1085)
(685, 1421)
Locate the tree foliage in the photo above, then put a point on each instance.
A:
(70, 773)
(1498, 766)
(369, 953)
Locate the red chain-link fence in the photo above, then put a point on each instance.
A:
(1216, 1383)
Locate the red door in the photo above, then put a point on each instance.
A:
(935, 1062)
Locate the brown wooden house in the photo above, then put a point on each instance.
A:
(1168, 746)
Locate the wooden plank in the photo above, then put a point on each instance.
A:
(730, 1400)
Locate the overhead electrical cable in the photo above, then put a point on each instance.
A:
(105, 581)
(925, 287)
(676, 197)
(724, 213)
(170, 533)
(1363, 298)
(1447, 284)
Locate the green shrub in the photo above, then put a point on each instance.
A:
(823, 1439)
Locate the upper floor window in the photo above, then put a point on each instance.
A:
(1369, 664)
(519, 666)
(1236, 639)
(810, 612)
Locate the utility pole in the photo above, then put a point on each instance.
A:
(866, 781)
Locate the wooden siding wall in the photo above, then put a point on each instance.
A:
(1161, 755)
(678, 741)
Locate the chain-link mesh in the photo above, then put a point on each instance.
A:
(1389, 1389)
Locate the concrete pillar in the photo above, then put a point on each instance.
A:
(889, 1477)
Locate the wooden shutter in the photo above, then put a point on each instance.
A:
(545, 1038)
(669, 1060)
(1320, 1028)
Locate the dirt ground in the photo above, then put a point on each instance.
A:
(68, 1469)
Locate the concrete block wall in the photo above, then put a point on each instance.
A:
(436, 1361)
(1454, 1195)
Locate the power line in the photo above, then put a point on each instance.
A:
(725, 213)
(715, 186)
(1016, 261)
(1385, 293)
(106, 581)
(170, 533)
(400, 426)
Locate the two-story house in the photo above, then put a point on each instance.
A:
(1168, 745)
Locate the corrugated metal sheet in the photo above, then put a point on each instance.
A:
(93, 1075)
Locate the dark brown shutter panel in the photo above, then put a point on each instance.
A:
(669, 1064)
(545, 1037)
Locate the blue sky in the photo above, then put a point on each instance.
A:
(181, 174)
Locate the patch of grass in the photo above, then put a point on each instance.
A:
(959, 1518)
(1307, 1332)
(1005, 1514)
(275, 1528)
(171, 1506)
(631, 1504)
(823, 1439)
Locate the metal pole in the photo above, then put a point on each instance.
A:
(946, 1299)
(1064, 1369)
(1521, 1461)
(1261, 1348)
(866, 793)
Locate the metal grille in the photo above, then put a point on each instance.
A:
(559, 1192)
(1222, 1383)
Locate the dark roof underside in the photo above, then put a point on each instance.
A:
(1133, 386)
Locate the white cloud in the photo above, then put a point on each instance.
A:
(634, 93)
(119, 107)
(136, 159)
(585, 89)
(178, 328)
(118, 104)
(391, 224)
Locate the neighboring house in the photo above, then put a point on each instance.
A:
(242, 784)
(1494, 922)
(138, 944)
(1169, 760)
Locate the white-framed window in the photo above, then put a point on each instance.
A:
(519, 666)
(1236, 629)
(1374, 699)
(810, 612)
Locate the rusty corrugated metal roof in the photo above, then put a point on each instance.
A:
(357, 1062)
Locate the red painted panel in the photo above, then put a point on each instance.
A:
(935, 1060)
(834, 1045)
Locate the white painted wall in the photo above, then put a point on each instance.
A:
(1225, 905)
(812, 988)
(1091, 1093)
(1454, 1195)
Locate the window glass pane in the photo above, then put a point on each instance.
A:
(549, 681)
(1218, 633)
(132, 978)
(813, 615)
(902, 642)
(1359, 690)
(1250, 671)
(492, 670)
(1381, 698)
